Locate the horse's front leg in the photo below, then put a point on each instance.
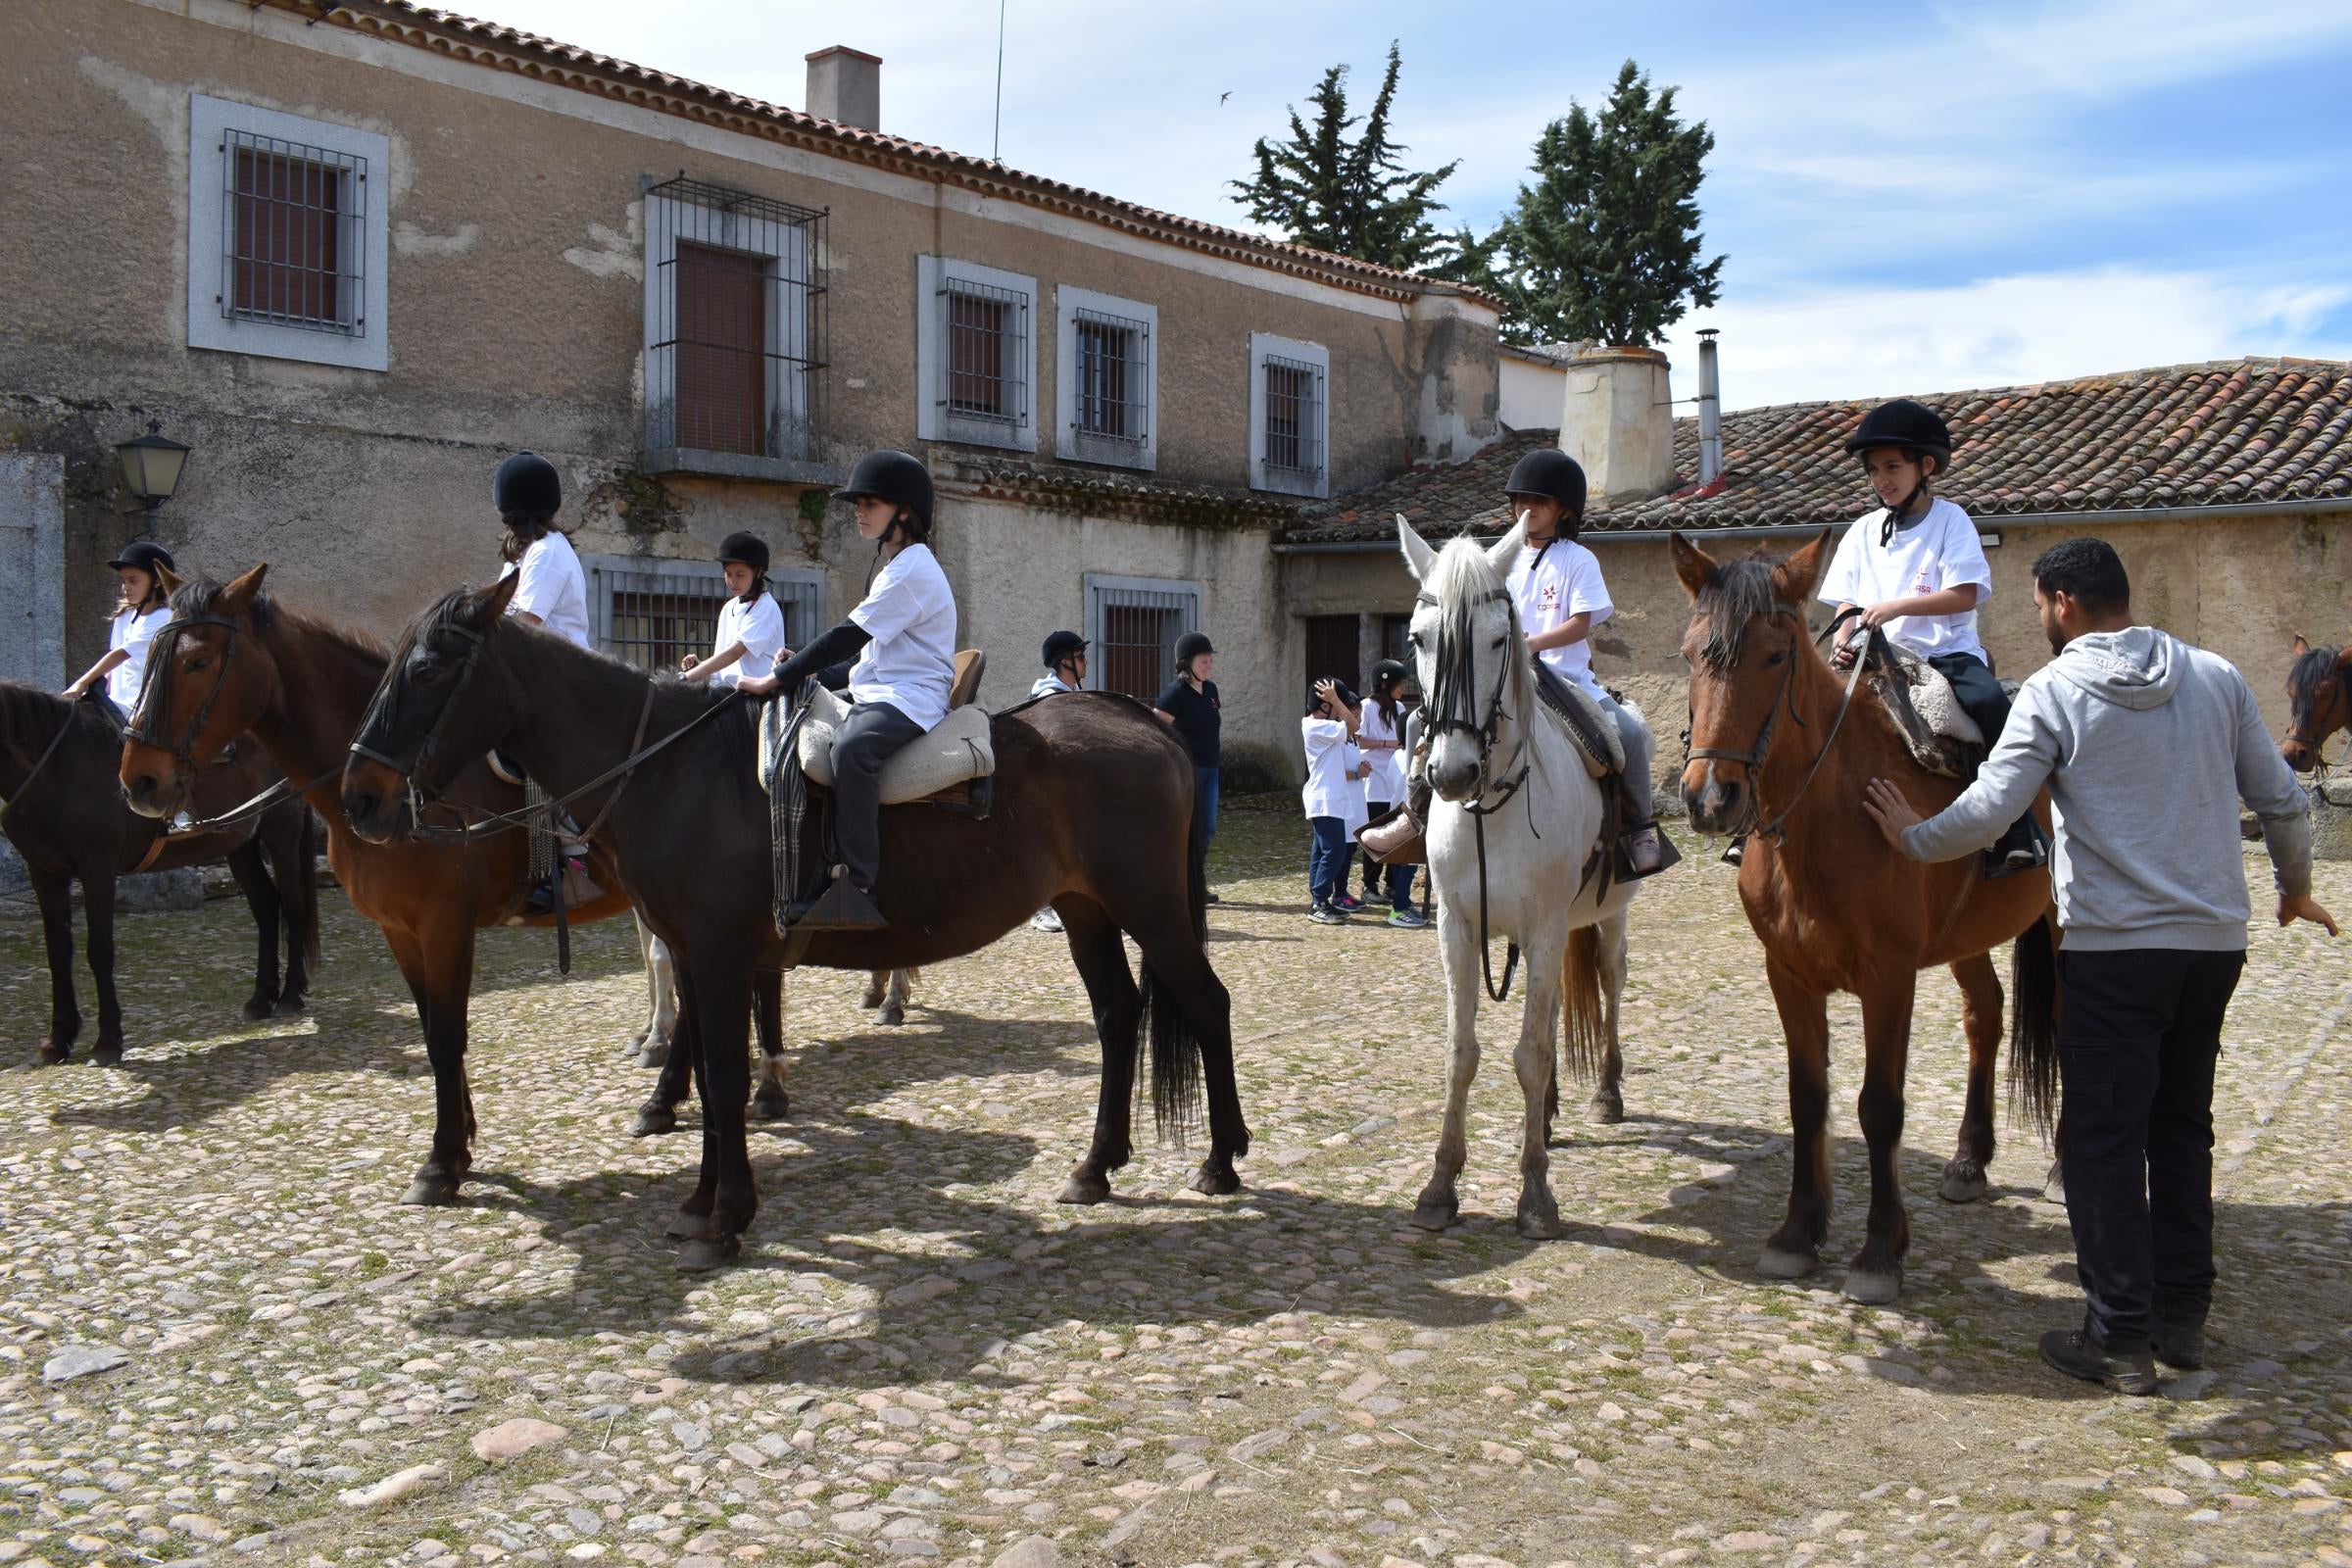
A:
(769, 1101)
(1794, 1250)
(1439, 1203)
(718, 994)
(439, 968)
(1537, 1062)
(54, 890)
(1875, 1275)
(1981, 1016)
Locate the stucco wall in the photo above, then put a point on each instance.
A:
(1530, 394)
(514, 313)
(2244, 587)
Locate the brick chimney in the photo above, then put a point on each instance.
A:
(1617, 419)
(845, 85)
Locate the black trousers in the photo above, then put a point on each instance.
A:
(2138, 1033)
(1980, 697)
(872, 734)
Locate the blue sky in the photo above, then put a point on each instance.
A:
(1913, 198)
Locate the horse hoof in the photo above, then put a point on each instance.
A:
(1083, 1190)
(1873, 1289)
(1540, 1223)
(893, 1015)
(431, 1192)
(1963, 1182)
(701, 1257)
(1608, 1109)
(1216, 1181)
(769, 1107)
(51, 1053)
(1776, 1264)
(1436, 1216)
(257, 1009)
(2053, 1189)
(870, 1001)
(653, 1053)
(106, 1056)
(652, 1121)
(687, 1226)
(292, 1006)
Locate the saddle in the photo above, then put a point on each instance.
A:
(1941, 736)
(1580, 717)
(939, 767)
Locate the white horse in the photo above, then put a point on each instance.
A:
(1511, 834)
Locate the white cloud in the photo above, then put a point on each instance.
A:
(2004, 332)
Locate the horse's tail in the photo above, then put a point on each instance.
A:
(1175, 1052)
(1583, 1040)
(306, 877)
(2034, 1026)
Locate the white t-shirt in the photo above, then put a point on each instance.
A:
(759, 626)
(1387, 782)
(1566, 583)
(1329, 792)
(910, 615)
(134, 632)
(554, 588)
(1939, 551)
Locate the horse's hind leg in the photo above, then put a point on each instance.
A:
(769, 1101)
(1794, 1250)
(1186, 995)
(894, 1002)
(261, 898)
(1981, 1016)
(876, 982)
(660, 1112)
(650, 1045)
(1609, 963)
(98, 910)
(1439, 1202)
(1101, 959)
(54, 891)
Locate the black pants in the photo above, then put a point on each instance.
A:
(1980, 697)
(872, 734)
(2138, 1033)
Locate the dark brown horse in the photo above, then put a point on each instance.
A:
(1094, 804)
(2319, 696)
(1837, 908)
(66, 819)
(246, 665)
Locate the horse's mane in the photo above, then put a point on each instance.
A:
(1460, 580)
(22, 704)
(200, 595)
(1737, 593)
(2307, 673)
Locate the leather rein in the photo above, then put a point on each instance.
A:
(1752, 759)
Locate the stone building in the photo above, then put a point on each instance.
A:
(355, 254)
(2225, 487)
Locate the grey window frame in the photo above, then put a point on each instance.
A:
(1268, 475)
(1015, 432)
(1141, 453)
(1104, 590)
(611, 575)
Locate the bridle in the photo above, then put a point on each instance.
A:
(156, 695)
(381, 712)
(2296, 736)
(1752, 759)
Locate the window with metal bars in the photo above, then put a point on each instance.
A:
(1293, 403)
(1110, 395)
(1290, 416)
(290, 222)
(1132, 624)
(735, 331)
(1103, 390)
(976, 352)
(652, 613)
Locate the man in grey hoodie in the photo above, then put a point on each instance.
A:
(2147, 746)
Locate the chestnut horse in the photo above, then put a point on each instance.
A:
(62, 813)
(1092, 813)
(1837, 908)
(2318, 696)
(240, 664)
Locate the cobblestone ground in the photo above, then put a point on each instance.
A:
(219, 1335)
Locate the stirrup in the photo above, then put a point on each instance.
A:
(1630, 870)
(841, 907)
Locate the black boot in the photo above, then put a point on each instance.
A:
(2071, 1352)
(2180, 1345)
(2020, 848)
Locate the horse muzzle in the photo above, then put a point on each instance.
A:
(151, 782)
(374, 801)
(1715, 805)
(1454, 780)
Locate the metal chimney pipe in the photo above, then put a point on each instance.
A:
(1710, 409)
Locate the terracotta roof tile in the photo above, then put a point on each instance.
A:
(2237, 432)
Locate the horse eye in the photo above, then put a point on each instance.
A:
(1500, 641)
(1776, 660)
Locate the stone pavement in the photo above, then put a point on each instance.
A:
(220, 1335)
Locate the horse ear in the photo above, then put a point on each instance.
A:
(1693, 567)
(1418, 557)
(2302, 648)
(2343, 660)
(1503, 554)
(172, 580)
(238, 596)
(483, 610)
(1794, 579)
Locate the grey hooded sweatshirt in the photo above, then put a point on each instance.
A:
(2147, 745)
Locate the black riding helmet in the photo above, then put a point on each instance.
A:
(527, 489)
(1549, 471)
(147, 556)
(746, 549)
(1914, 427)
(898, 478)
(1191, 646)
(1390, 671)
(1061, 645)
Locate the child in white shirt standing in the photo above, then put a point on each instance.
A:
(1381, 734)
(750, 624)
(1332, 797)
(138, 615)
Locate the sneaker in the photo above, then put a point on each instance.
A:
(1325, 914)
(2016, 851)
(1735, 852)
(1348, 903)
(1046, 920)
(1211, 896)
(1407, 920)
(2071, 1352)
(2180, 1346)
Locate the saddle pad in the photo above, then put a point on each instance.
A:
(1941, 736)
(1591, 724)
(958, 750)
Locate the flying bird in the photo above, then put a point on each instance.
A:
(1221, 97)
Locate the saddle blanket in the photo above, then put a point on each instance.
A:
(958, 750)
(1941, 736)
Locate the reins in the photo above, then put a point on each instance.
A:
(2319, 767)
(1752, 759)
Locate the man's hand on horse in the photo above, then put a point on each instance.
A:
(1887, 808)
(2294, 906)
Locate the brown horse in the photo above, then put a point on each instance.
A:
(2318, 696)
(1092, 811)
(243, 664)
(1837, 907)
(57, 776)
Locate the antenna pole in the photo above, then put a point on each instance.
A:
(995, 145)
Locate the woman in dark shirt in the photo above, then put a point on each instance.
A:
(1190, 707)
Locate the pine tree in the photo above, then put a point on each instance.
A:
(1605, 244)
(1349, 197)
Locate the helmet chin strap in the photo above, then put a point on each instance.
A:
(1895, 515)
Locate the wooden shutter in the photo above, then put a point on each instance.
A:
(722, 339)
